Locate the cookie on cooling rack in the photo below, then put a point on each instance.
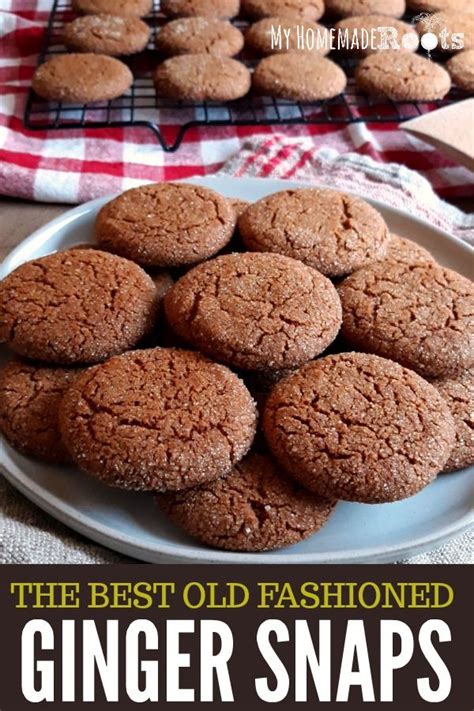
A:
(199, 35)
(82, 78)
(202, 77)
(107, 34)
(124, 8)
(220, 9)
(402, 76)
(299, 76)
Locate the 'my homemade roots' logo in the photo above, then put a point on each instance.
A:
(434, 33)
(366, 40)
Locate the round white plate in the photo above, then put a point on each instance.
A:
(131, 524)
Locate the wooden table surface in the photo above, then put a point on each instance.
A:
(18, 219)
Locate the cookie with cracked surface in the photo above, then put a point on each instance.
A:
(359, 428)
(330, 231)
(404, 251)
(402, 76)
(78, 306)
(355, 27)
(166, 225)
(259, 36)
(255, 508)
(200, 35)
(82, 78)
(202, 77)
(29, 405)
(440, 5)
(309, 10)
(352, 8)
(122, 8)
(106, 34)
(298, 76)
(459, 395)
(421, 316)
(461, 70)
(158, 420)
(450, 22)
(255, 311)
(219, 9)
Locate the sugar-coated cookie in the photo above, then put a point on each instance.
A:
(123, 8)
(359, 428)
(199, 35)
(255, 311)
(350, 8)
(331, 231)
(458, 392)
(202, 77)
(82, 78)
(299, 76)
(256, 507)
(106, 34)
(158, 419)
(420, 315)
(166, 225)
(402, 76)
(78, 306)
(30, 395)
(220, 9)
(461, 70)
(309, 10)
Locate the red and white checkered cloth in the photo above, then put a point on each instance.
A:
(77, 165)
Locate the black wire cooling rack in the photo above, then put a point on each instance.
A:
(170, 120)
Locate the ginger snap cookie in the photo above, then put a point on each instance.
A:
(106, 34)
(359, 428)
(199, 35)
(255, 508)
(29, 406)
(459, 395)
(123, 8)
(309, 10)
(255, 311)
(404, 251)
(380, 40)
(202, 77)
(421, 316)
(82, 78)
(402, 76)
(299, 76)
(440, 5)
(166, 225)
(157, 420)
(351, 8)
(219, 9)
(330, 231)
(448, 24)
(78, 306)
(461, 70)
(273, 35)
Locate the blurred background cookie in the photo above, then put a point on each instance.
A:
(220, 9)
(310, 10)
(82, 78)
(197, 35)
(106, 34)
(461, 69)
(402, 76)
(349, 8)
(298, 76)
(202, 77)
(125, 8)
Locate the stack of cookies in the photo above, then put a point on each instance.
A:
(203, 56)
(141, 359)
